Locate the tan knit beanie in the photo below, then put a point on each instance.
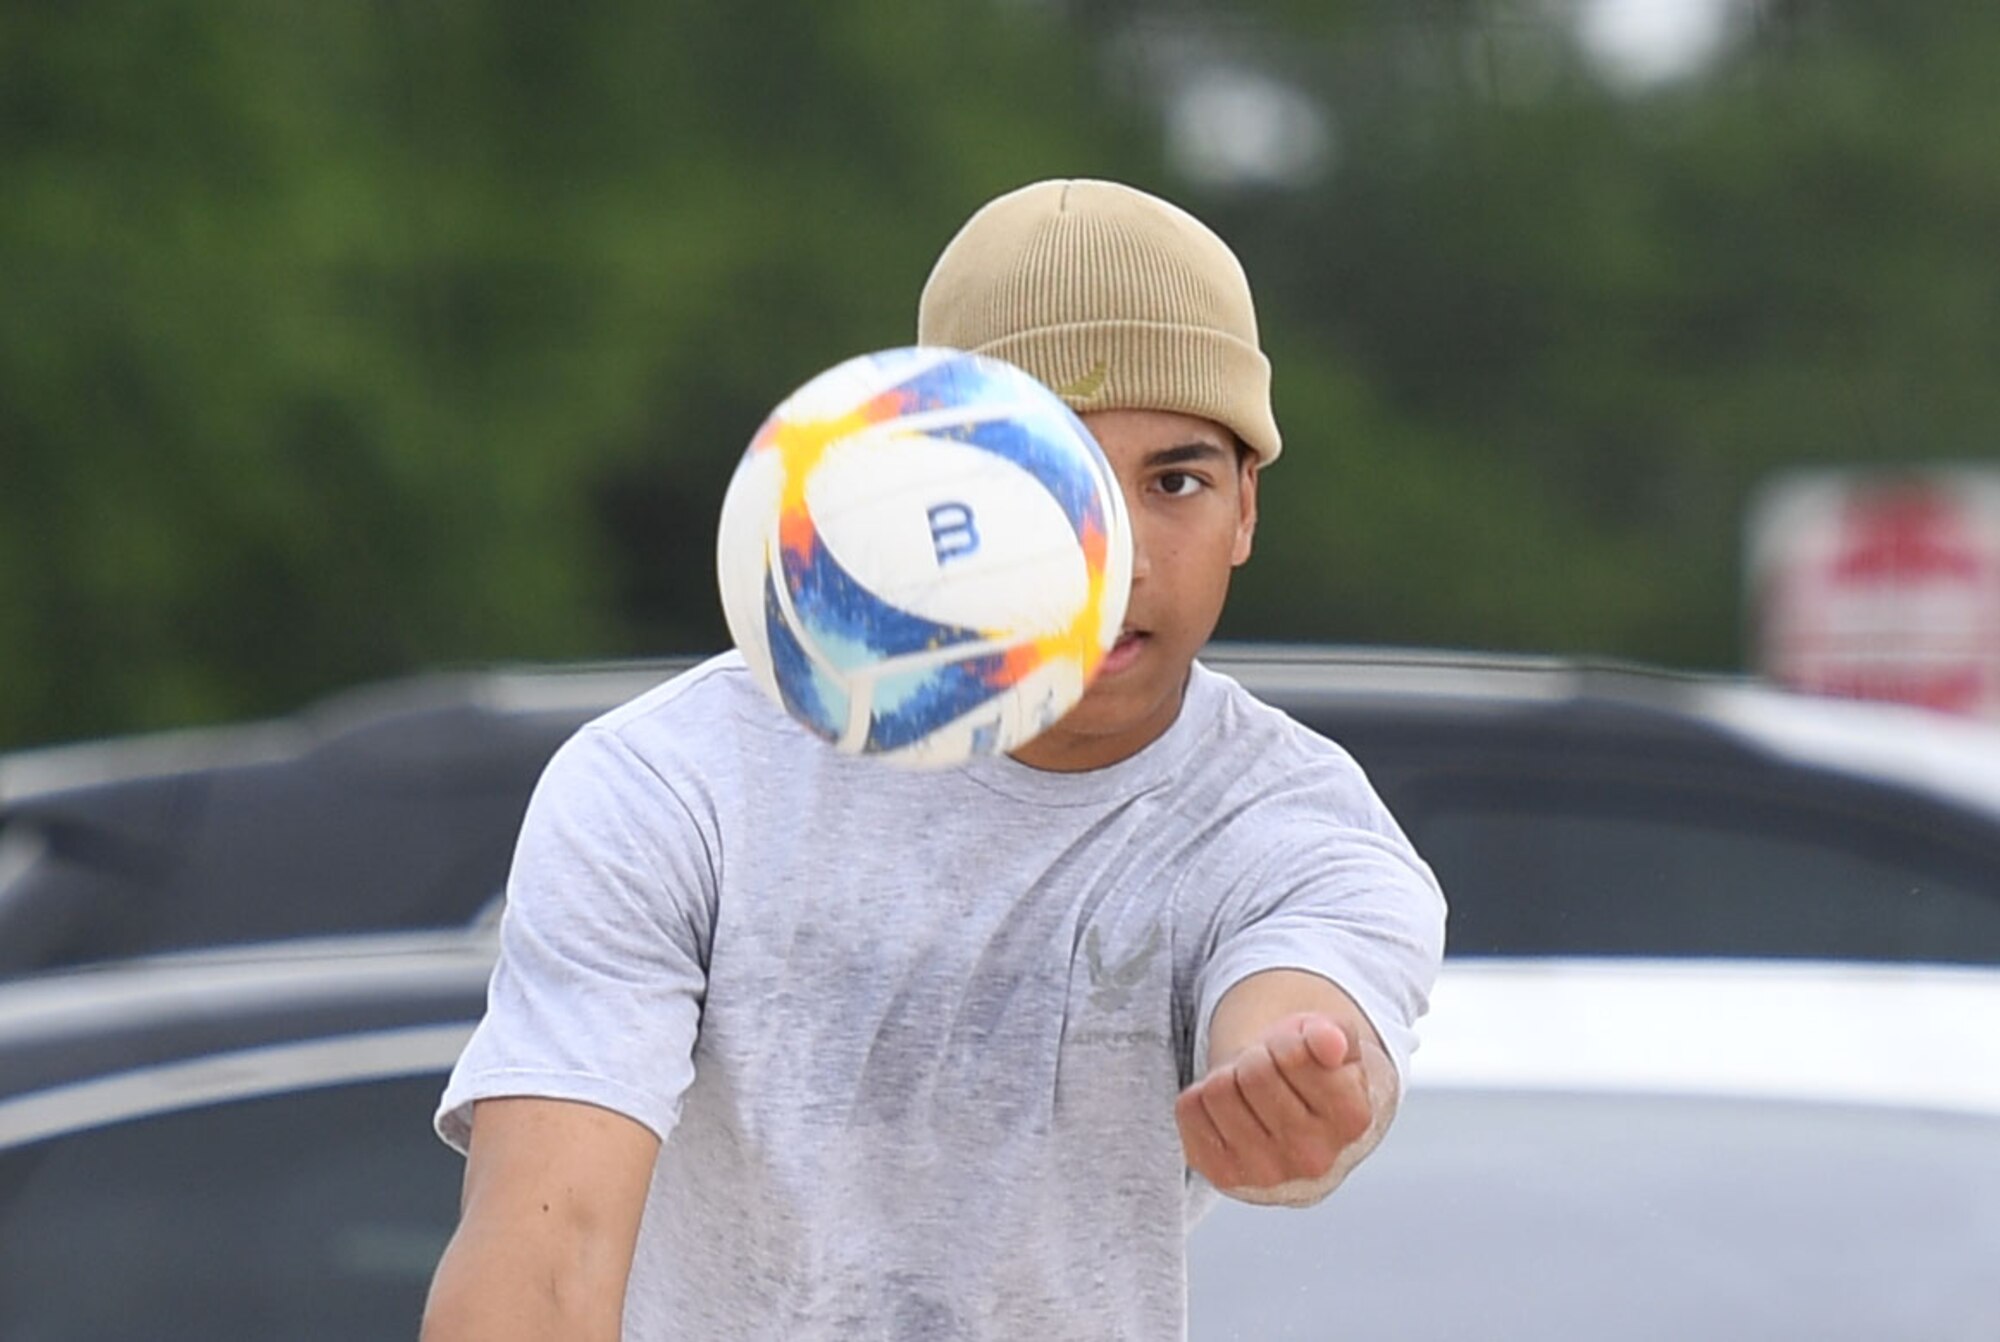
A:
(1115, 298)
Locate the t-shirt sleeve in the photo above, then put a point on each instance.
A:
(597, 993)
(1351, 902)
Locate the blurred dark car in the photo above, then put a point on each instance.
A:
(1567, 809)
(239, 1143)
(233, 1144)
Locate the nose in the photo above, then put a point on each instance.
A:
(1142, 563)
(1141, 551)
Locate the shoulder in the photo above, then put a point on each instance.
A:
(700, 737)
(721, 684)
(1264, 751)
(711, 711)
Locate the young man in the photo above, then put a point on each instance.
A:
(787, 1044)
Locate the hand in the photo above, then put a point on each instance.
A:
(1279, 1112)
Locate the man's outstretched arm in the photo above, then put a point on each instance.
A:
(1299, 1089)
(547, 1227)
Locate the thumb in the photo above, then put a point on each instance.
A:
(1325, 1042)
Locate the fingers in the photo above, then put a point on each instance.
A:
(1254, 1129)
(1263, 1079)
(1201, 1142)
(1283, 1109)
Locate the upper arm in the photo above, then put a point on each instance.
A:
(597, 994)
(554, 1191)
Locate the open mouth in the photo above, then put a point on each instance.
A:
(1124, 652)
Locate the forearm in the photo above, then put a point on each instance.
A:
(488, 1290)
(554, 1192)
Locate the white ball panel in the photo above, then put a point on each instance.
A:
(949, 532)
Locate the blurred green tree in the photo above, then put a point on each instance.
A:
(1586, 323)
(342, 340)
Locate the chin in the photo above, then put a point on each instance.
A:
(1125, 702)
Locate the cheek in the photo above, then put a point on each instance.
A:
(1200, 572)
(1191, 555)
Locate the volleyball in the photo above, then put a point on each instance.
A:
(923, 556)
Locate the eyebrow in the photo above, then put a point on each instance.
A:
(1185, 452)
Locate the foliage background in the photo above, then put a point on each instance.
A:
(343, 340)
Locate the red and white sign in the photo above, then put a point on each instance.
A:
(1881, 586)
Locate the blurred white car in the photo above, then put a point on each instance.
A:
(239, 1143)
(1629, 1150)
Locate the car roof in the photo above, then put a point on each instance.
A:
(1911, 746)
(110, 1040)
(108, 994)
(1906, 1035)
(1954, 758)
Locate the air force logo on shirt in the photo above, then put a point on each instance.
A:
(1128, 993)
(1111, 984)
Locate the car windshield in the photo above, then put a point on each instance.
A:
(1596, 862)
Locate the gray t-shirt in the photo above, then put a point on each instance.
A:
(912, 1039)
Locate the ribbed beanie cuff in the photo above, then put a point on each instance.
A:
(1113, 297)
